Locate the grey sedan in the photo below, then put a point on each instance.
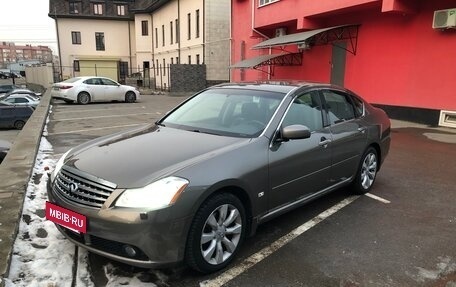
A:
(193, 185)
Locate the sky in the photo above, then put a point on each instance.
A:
(27, 22)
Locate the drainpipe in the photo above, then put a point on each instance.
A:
(129, 47)
(178, 30)
(261, 34)
(58, 44)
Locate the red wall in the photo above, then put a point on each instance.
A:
(400, 59)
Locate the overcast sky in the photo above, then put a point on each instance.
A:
(27, 22)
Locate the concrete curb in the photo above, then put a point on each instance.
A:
(15, 172)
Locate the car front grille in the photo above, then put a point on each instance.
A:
(81, 188)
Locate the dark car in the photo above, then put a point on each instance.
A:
(14, 116)
(7, 88)
(4, 148)
(5, 75)
(191, 186)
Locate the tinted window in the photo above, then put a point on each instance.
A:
(93, 81)
(339, 106)
(108, 82)
(305, 110)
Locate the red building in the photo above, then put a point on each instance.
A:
(394, 53)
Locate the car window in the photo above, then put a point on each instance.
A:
(108, 82)
(9, 100)
(339, 106)
(21, 100)
(93, 81)
(305, 110)
(230, 112)
(359, 106)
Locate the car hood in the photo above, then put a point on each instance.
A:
(139, 157)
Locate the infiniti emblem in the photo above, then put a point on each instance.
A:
(73, 187)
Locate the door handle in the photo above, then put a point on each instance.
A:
(324, 142)
(362, 129)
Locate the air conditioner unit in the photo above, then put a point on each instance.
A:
(279, 32)
(304, 46)
(444, 19)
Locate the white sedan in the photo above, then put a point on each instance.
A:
(84, 90)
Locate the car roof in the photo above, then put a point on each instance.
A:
(281, 86)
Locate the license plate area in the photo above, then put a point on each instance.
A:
(66, 218)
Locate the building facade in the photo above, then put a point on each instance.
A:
(120, 38)
(95, 37)
(392, 52)
(193, 32)
(11, 53)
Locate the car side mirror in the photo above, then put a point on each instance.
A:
(295, 132)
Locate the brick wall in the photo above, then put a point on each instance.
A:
(187, 78)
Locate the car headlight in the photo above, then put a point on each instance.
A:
(58, 166)
(158, 194)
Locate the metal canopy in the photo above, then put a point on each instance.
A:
(317, 37)
(289, 59)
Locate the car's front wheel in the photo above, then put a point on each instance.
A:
(367, 172)
(216, 233)
(19, 125)
(83, 98)
(130, 97)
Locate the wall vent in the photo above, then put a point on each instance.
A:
(447, 119)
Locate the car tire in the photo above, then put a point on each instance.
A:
(367, 172)
(130, 97)
(221, 223)
(83, 98)
(19, 125)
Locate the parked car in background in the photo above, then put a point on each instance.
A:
(21, 92)
(193, 185)
(4, 148)
(84, 90)
(22, 100)
(14, 116)
(5, 75)
(8, 88)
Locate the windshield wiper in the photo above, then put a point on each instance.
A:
(203, 132)
(159, 124)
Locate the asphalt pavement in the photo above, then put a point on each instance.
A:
(400, 235)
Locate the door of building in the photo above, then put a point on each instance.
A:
(338, 63)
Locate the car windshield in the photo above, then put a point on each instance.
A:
(227, 112)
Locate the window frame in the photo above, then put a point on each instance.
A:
(189, 26)
(163, 35)
(97, 8)
(171, 37)
(144, 28)
(262, 3)
(76, 37)
(177, 30)
(74, 4)
(100, 46)
(76, 66)
(197, 24)
(121, 9)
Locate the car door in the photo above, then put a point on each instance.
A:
(95, 88)
(299, 168)
(7, 117)
(112, 90)
(349, 134)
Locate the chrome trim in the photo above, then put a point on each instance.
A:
(299, 201)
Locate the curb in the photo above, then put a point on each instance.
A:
(15, 172)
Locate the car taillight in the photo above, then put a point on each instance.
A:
(65, 87)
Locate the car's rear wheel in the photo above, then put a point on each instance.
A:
(367, 172)
(130, 97)
(83, 98)
(19, 125)
(216, 233)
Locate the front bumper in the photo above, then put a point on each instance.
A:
(156, 236)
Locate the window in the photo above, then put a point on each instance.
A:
(197, 59)
(158, 68)
(145, 28)
(164, 67)
(171, 32)
(197, 23)
(305, 110)
(177, 30)
(156, 38)
(76, 38)
(97, 8)
(189, 59)
(75, 7)
(121, 10)
(163, 35)
(339, 106)
(177, 60)
(189, 26)
(172, 61)
(99, 41)
(264, 2)
(76, 67)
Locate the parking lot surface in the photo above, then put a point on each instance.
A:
(402, 234)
